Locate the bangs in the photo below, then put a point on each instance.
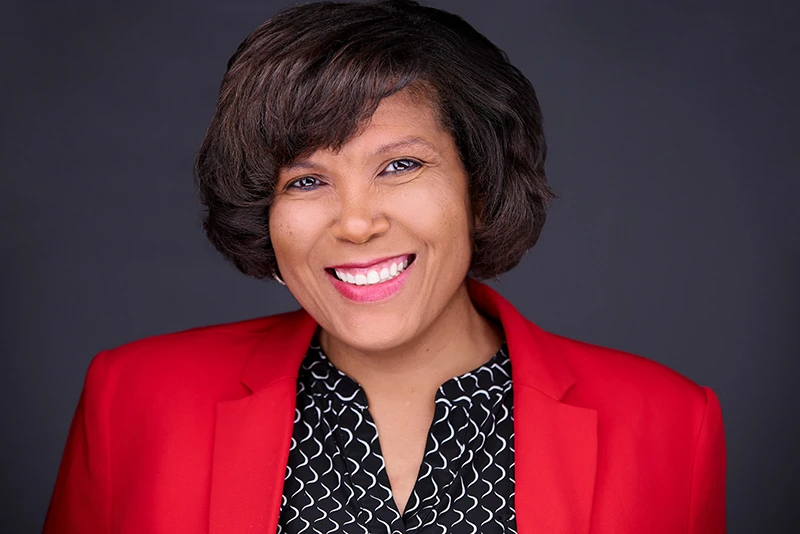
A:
(314, 92)
(329, 107)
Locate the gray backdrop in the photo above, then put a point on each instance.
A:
(673, 136)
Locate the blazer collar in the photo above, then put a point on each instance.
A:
(556, 443)
(535, 361)
(280, 352)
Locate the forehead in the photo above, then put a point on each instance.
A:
(401, 114)
(406, 119)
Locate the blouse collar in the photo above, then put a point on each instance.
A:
(488, 382)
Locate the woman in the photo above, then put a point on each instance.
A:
(371, 156)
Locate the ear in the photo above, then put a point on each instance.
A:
(477, 212)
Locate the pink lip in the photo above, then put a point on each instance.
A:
(369, 263)
(371, 293)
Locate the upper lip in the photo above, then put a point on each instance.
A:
(369, 263)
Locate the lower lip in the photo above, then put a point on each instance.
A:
(371, 293)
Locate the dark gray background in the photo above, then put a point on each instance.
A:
(673, 136)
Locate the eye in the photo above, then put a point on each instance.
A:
(401, 165)
(304, 183)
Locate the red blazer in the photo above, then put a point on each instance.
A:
(189, 432)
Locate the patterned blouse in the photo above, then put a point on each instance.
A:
(336, 480)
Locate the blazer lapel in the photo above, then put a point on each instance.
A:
(555, 443)
(253, 434)
(251, 447)
(556, 457)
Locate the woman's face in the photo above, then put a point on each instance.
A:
(397, 192)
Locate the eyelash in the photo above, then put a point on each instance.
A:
(412, 164)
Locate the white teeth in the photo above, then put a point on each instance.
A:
(374, 276)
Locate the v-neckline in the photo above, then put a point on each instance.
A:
(487, 384)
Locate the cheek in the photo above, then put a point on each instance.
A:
(292, 231)
(441, 213)
(280, 229)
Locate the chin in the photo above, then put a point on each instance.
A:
(372, 338)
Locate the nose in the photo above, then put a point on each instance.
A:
(361, 218)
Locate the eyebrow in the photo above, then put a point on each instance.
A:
(409, 142)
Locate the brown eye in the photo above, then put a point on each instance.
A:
(401, 165)
(305, 183)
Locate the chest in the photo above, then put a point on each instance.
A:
(402, 435)
(450, 467)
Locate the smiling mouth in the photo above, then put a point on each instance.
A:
(374, 274)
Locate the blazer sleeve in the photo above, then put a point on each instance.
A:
(707, 497)
(82, 495)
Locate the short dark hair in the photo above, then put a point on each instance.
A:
(309, 77)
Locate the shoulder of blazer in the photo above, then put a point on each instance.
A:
(615, 381)
(201, 356)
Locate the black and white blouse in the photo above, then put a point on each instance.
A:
(336, 480)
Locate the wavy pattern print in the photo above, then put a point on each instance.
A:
(336, 479)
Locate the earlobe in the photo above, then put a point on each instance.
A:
(477, 210)
(476, 221)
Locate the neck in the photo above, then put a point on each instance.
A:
(460, 340)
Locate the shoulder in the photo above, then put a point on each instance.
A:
(653, 423)
(618, 381)
(207, 357)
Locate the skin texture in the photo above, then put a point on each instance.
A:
(366, 202)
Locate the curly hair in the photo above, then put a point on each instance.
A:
(309, 78)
